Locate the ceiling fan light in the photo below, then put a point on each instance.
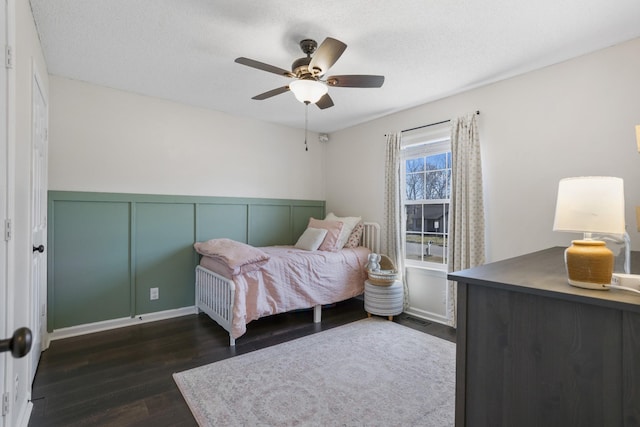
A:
(308, 90)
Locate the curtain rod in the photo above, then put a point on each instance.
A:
(431, 124)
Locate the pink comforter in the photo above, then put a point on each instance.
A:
(294, 279)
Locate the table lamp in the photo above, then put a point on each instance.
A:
(591, 204)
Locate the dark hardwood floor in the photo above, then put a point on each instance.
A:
(123, 377)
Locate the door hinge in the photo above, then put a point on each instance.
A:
(8, 229)
(5, 404)
(8, 57)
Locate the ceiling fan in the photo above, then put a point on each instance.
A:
(310, 86)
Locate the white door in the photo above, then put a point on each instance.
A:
(4, 166)
(38, 223)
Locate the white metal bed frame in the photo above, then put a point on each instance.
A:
(215, 294)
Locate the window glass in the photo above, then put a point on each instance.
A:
(427, 175)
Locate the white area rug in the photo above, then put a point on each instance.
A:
(368, 373)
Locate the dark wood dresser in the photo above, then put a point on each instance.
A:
(534, 351)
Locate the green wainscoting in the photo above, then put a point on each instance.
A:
(268, 225)
(228, 221)
(164, 255)
(106, 250)
(90, 254)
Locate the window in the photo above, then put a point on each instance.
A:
(427, 176)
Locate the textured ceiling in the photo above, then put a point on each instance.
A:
(184, 50)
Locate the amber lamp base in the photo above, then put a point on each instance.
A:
(589, 264)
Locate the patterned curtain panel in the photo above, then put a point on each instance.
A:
(466, 216)
(394, 213)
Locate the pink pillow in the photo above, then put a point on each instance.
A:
(330, 242)
(232, 253)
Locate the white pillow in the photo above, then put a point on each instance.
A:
(349, 222)
(311, 239)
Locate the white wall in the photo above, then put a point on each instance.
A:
(107, 140)
(571, 119)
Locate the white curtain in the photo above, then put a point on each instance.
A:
(393, 210)
(466, 213)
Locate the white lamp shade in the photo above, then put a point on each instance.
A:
(308, 90)
(591, 204)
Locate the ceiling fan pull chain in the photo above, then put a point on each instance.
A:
(306, 122)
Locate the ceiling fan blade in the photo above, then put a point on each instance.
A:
(325, 102)
(264, 67)
(326, 55)
(271, 93)
(355, 80)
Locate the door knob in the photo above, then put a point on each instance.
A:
(19, 344)
(38, 248)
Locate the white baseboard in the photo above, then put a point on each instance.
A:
(425, 315)
(119, 323)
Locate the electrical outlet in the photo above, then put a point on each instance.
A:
(154, 293)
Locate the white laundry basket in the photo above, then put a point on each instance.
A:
(383, 300)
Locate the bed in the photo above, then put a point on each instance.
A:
(288, 279)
